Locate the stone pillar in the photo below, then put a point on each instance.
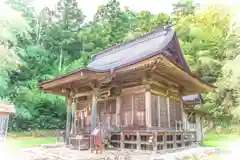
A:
(118, 107)
(148, 109)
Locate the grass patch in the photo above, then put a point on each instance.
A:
(33, 133)
(17, 143)
(219, 140)
(17, 140)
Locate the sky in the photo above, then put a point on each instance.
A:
(89, 7)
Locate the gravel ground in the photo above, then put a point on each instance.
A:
(60, 152)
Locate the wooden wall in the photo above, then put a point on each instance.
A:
(133, 109)
(163, 113)
(160, 111)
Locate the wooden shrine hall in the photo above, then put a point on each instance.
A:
(134, 91)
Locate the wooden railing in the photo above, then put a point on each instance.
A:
(153, 141)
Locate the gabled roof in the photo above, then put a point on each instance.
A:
(136, 50)
(161, 43)
(125, 54)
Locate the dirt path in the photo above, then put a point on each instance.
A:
(63, 153)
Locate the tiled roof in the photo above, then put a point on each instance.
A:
(125, 54)
(192, 97)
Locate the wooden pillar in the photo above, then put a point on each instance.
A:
(159, 112)
(118, 107)
(155, 141)
(122, 141)
(68, 121)
(148, 109)
(138, 141)
(201, 125)
(94, 111)
(183, 116)
(168, 111)
(93, 115)
(73, 126)
(164, 141)
(183, 139)
(198, 127)
(174, 140)
(133, 121)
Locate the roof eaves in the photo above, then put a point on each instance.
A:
(63, 76)
(189, 73)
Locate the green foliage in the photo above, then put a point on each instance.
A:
(55, 41)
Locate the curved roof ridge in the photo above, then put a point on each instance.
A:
(136, 40)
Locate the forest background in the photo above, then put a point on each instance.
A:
(37, 46)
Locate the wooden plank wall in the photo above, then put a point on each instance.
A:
(133, 109)
(139, 109)
(163, 112)
(155, 108)
(160, 111)
(126, 110)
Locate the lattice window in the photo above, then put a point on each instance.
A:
(154, 106)
(111, 106)
(179, 110)
(126, 110)
(101, 107)
(163, 112)
(139, 107)
(175, 111)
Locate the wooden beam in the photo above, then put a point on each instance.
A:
(137, 89)
(164, 86)
(157, 92)
(164, 78)
(82, 94)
